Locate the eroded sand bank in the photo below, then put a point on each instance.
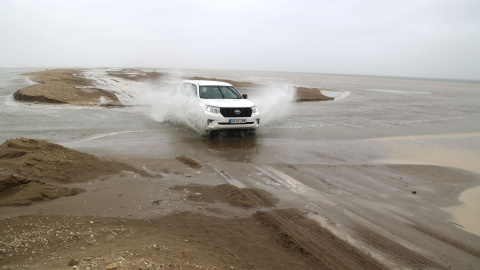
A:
(64, 86)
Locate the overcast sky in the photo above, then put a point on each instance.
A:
(412, 38)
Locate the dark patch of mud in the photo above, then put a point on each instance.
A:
(190, 162)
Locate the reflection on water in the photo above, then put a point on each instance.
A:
(231, 135)
(232, 145)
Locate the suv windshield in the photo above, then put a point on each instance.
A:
(219, 92)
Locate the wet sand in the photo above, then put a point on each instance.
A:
(191, 212)
(208, 226)
(246, 216)
(421, 152)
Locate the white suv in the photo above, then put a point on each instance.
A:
(212, 105)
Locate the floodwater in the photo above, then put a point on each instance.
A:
(372, 120)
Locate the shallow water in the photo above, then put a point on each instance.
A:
(309, 132)
(373, 119)
(375, 107)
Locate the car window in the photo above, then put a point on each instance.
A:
(188, 89)
(219, 92)
(229, 92)
(210, 92)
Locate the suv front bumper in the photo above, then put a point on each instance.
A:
(218, 122)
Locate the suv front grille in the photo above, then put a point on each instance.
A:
(236, 112)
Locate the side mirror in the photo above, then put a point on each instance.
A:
(245, 96)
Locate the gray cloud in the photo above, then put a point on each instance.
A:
(414, 38)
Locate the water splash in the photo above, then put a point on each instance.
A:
(158, 100)
(273, 102)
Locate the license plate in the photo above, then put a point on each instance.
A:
(238, 121)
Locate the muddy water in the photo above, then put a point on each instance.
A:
(372, 120)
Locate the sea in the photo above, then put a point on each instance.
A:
(366, 109)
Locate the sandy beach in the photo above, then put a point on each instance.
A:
(106, 208)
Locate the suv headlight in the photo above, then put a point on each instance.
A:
(212, 109)
(254, 109)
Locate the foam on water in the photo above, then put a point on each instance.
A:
(336, 94)
(106, 135)
(398, 91)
